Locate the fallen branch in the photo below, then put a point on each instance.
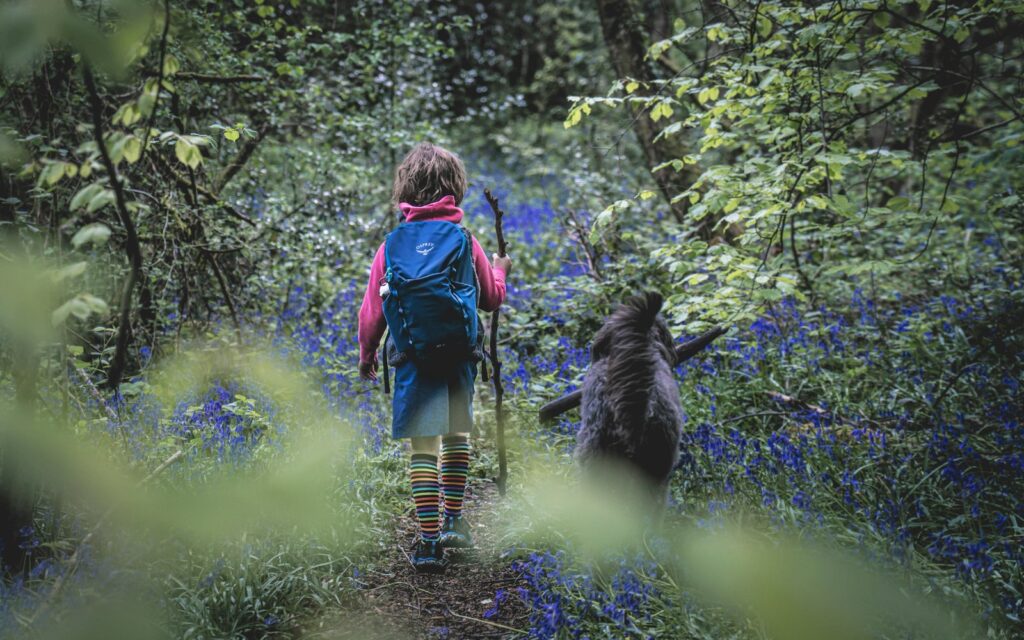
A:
(96, 395)
(784, 399)
(818, 411)
(684, 352)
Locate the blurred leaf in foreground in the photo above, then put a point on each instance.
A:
(796, 590)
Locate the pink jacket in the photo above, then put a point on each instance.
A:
(371, 314)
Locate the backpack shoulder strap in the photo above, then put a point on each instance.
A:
(469, 247)
(387, 253)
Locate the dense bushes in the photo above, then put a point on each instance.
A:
(887, 421)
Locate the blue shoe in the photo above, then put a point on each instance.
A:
(428, 557)
(455, 533)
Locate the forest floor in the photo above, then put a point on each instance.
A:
(396, 602)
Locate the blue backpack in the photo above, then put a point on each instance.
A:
(431, 296)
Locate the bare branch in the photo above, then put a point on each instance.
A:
(117, 365)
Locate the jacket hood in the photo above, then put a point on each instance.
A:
(444, 209)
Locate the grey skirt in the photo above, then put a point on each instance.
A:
(428, 403)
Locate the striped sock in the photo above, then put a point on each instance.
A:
(454, 470)
(426, 495)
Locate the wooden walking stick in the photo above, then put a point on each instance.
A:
(499, 390)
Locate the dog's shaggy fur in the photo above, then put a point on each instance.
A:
(631, 411)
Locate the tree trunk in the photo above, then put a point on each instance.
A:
(15, 494)
(623, 29)
(15, 501)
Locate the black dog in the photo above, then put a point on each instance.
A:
(631, 412)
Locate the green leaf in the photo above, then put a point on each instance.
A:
(147, 100)
(171, 65)
(128, 114)
(912, 44)
(100, 200)
(132, 148)
(70, 271)
(81, 306)
(51, 174)
(72, 306)
(11, 152)
(84, 195)
(116, 150)
(574, 117)
(898, 203)
(661, 110)
(187, 153)
(231, 134)
(95, 233)
(710, 94)
(606, 217)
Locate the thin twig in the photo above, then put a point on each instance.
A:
(487, 622)
(227, 294)
(215, 79)
(757, 414)
(577, 227)
(159, 79)
(240, 159)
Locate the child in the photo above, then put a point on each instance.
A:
(426, 282)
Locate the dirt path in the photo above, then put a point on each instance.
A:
(404, 604)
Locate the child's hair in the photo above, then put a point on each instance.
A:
(427, 174)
